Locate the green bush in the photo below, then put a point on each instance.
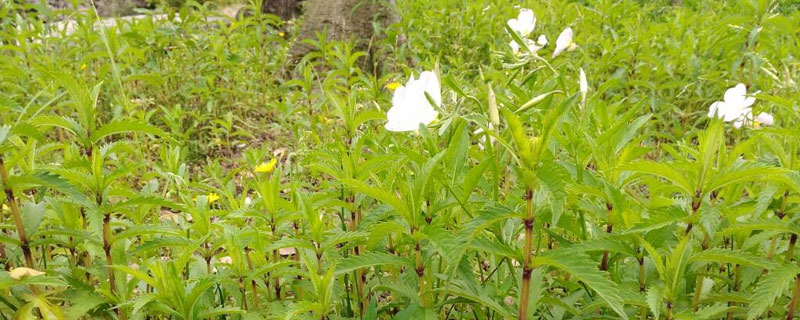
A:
(180, 167)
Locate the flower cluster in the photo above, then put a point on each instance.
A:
(524, 24)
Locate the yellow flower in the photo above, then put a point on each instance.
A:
(281, 34)
(212, 197)
(267, 167)
(22, 272)
(392, 86)
(83, 67)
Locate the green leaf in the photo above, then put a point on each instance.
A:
(771, 287)
(379, 195)
(555, 179)
(659, 218)
(481, 297)
(370, 259)
(655, 299)
(535, 100)
(732, 256)
(662, 170)
(586, 271)
(125, 126)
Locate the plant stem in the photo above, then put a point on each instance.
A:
(790, 250)
(420, 274)
(107, 250)
(735, 289)
(526, 267)
(795, 296)
(697, 290)
(642, 282)
(253, 281)
(12, 203)
(669, 311)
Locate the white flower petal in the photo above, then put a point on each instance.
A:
(765, 119)
(542, 41)
(524, 23)
(514, 47)
(410, 106)
(714, 108)
(430, 84)
(736, 95)
(563, 41)
(583, 83)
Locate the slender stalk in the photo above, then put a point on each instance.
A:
(695, 207)
(4, 257)
(735, 289)
(697, 290)
(609, 228)
(109, 261)
(253, 281)
(107, 250)
(790, 250)
(243, 291)
(420, 268)
(14, 205)
(642, 282)
(277, 279)
(361, 278)
(87, 259)
(795, 296)
(669, 311)
(526, 267)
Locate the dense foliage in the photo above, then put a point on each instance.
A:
(180, 167)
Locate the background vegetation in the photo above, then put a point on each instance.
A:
(181, 168)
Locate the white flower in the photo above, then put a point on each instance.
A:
(524, 23)
(533, 47)
(584, 85)
(735, 107)
(765, 119)
(410, 106)
(482, 140)
(542, 40)
(564, 42)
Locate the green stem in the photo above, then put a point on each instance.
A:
(15, 211)
(795, 296)
(526, 267)
(790, 250)
(420, 268)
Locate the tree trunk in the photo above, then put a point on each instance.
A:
(286, 9)
(338, 19)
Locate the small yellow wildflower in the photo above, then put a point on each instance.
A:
(392, 86)
(83, 67)
(19, 273)
(212, 197)
(281, 34)
(267, 167)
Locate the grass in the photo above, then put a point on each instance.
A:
(182, 168)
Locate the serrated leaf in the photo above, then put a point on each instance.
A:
(732, 256)
(125, 126)
(370, 259)
(772, 286)
(586, 271)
